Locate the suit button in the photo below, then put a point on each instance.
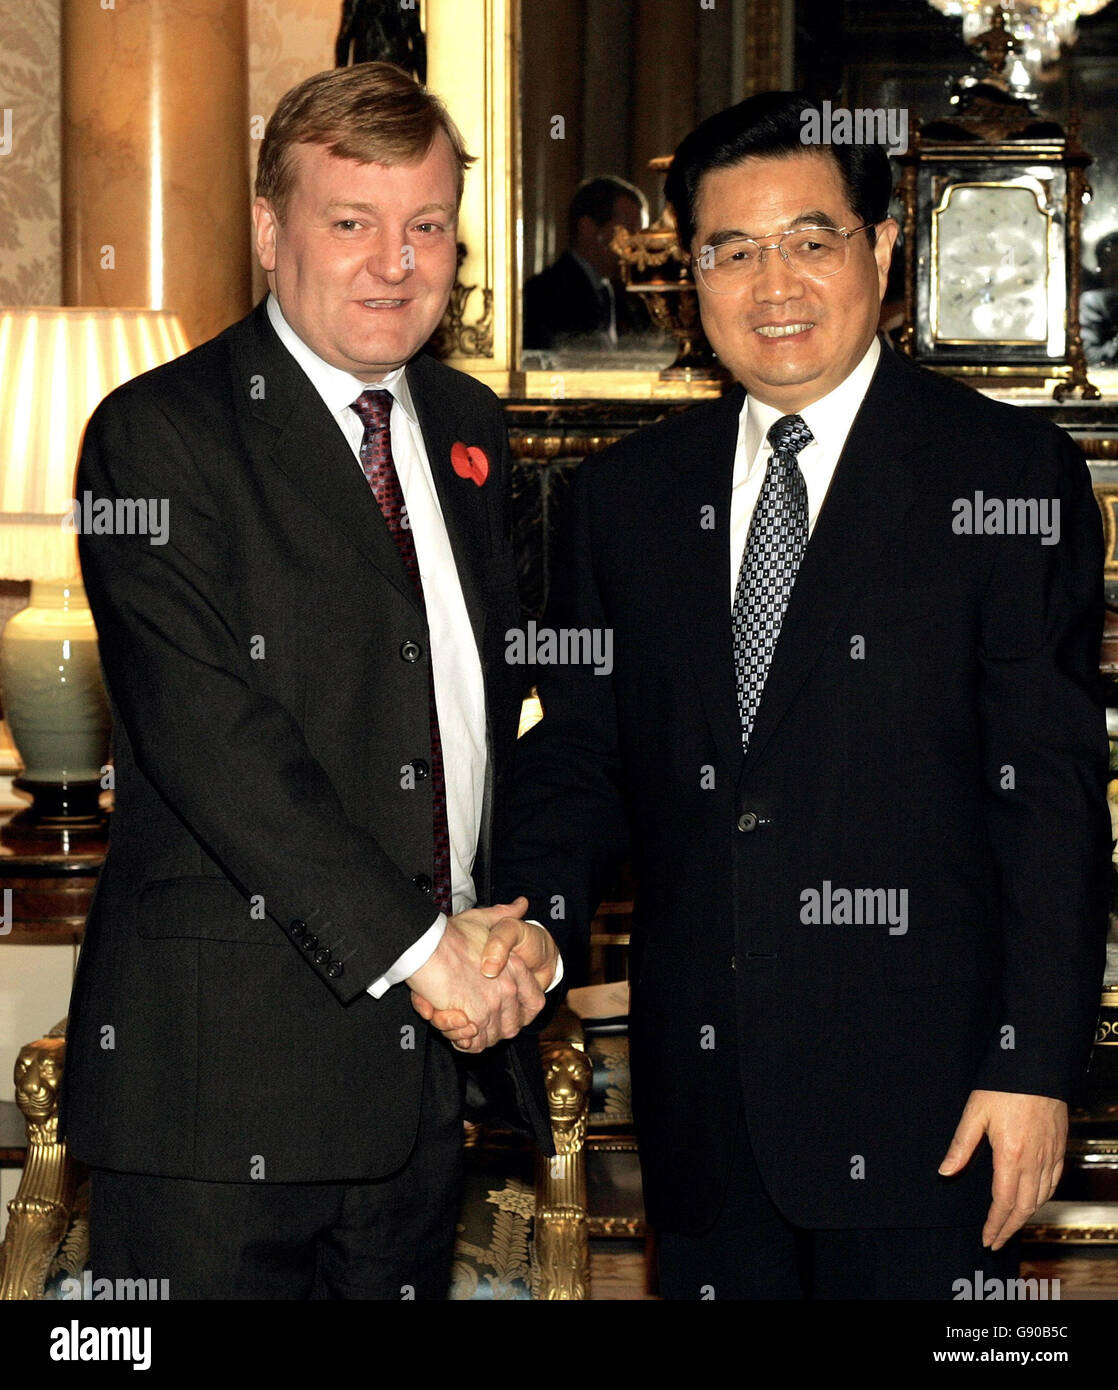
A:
(747, 822)
(298, 928)
(411, 651)
(322, 956)
(335, 971)
(733, 962)
(423, 883)
(420, 768)
(310, 942)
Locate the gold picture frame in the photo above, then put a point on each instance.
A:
(473, 62)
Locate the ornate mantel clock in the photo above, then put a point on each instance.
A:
(993, 199)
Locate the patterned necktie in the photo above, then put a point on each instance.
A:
(375, 409)
(773, 551)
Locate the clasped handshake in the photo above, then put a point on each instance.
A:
(486, 980)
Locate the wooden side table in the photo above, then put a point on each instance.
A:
(51, 889)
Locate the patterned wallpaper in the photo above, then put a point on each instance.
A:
(288, 40)
(30, 257)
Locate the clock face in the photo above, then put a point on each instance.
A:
(990, 265)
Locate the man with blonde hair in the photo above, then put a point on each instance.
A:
(312, 713)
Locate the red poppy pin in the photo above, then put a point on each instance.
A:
(468, 461)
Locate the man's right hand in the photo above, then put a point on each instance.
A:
(451, 980)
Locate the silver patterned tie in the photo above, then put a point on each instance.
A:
(773, 551)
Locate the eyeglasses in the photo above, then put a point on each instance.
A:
(815, 252)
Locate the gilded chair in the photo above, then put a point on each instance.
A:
(48, 1234)
(522, 1231)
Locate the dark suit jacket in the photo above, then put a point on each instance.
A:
(931, 722)
(265, 712)
(560, 303)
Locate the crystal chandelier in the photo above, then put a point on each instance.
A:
(1041, 27)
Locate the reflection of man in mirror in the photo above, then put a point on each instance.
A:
(382, 29)
(580, 300)
(1098, 308)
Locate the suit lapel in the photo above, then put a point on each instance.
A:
(290, 425)
(446, 418)
(293, 428)
(465, 505)
(872, 489)
(705, 465)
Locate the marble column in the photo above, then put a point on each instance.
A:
(155, 134)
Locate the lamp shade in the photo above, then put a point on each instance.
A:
(56, 365)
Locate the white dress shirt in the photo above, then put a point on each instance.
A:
(829, 420)
(456, 666)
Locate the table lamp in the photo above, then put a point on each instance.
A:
(55, 366)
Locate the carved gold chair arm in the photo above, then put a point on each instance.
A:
(43, 1235)
(561, 1254)
(40, 1215)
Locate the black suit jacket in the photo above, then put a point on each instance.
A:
(560, 304)
(266, 711)
(931, 722)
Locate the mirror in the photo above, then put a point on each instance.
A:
(605, 87)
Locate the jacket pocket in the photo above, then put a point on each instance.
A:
(205, 909)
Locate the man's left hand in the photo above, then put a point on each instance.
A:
(533, 946)
(1028, 1135)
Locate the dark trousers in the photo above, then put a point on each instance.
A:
(388, 1239)
(753, 1252)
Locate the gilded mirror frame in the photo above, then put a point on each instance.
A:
(473, 49)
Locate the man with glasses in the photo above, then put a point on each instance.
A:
(854, 744)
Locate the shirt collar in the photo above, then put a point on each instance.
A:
(829, 418)
(338, 388)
